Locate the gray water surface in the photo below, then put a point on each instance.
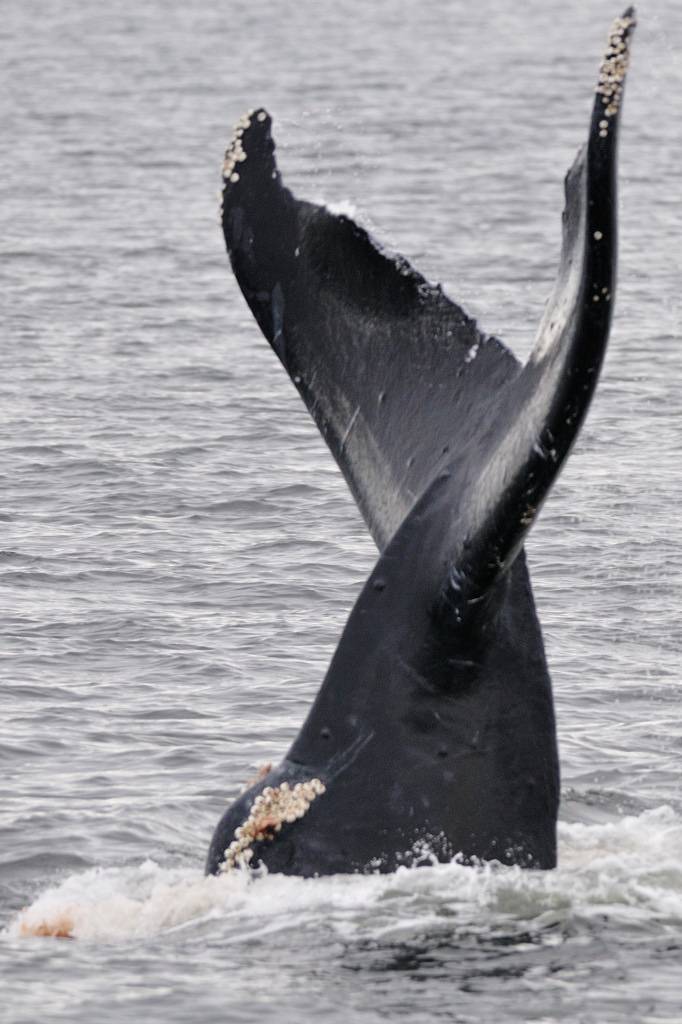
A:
(179, 552)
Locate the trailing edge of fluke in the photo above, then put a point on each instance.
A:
(434, 726)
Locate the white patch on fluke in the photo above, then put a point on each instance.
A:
(472, 353)
(344, 208)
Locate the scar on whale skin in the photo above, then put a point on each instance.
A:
(439, 685)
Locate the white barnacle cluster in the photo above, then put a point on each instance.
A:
(274, 807)
(235, 153)
(601, 295)
(613, 70)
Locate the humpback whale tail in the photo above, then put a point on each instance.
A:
(449, 447)
(394, 373)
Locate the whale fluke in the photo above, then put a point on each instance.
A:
(543, 408)
(394, 373)
(435, 721)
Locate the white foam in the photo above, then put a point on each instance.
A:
(343, 208)
(631, 869)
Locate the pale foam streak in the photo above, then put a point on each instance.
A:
(630, 869)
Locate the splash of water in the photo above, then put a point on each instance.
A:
(630, 870)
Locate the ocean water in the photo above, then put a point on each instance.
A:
(179, 552)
